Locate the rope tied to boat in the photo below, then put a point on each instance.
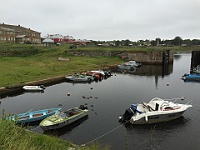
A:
(105, 134)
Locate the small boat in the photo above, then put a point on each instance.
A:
(133, 63)
(155, 111)
(80, 78)
(63, 59)
(99, 71)
(32, 116)
(192, 77)
(33, 88)
(129, 65)
(126, 66)
(63, 118)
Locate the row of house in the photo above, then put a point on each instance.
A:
(57, 38)
(19, 34)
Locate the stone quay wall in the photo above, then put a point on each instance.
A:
(142, 57)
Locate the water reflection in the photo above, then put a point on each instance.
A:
(153, 136)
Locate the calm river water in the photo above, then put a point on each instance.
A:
(108, 99)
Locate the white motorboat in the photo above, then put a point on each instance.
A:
(33, 88)
(133, 63)
(129, 65)
(80, 78)
(99, 71)
(155, 111)
(126, 66)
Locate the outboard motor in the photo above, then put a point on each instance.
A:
(83, 107)
(127, 115)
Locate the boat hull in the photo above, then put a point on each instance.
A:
(191, 77)
(63, 124)
(33, 88)
(33, 116)
(156, 118)
(81, 78)
(58, 121)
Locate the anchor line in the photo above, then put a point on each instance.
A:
(105, 134)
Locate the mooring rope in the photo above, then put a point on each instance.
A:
(105, 134)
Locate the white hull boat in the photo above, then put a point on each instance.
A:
(126, 66)
(98, 71)
(133, 63)
(155, 111)
(33, 88)
(63, 118)
(79, 78)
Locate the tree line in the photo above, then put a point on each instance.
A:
(177, 41)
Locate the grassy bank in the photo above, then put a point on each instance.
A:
(13, 137)
(44, 64)
(20, 63)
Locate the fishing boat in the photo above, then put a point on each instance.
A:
(32, 116)
(63, 118)
(33, 88)
(80, 78)
(155, 111)
(192, 77)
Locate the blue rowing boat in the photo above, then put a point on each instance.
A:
(193, 77)
(32, 116)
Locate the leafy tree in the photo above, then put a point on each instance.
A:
(195, 42)
(187, 42)
(177, 41)
(127, 42)
(117, 43)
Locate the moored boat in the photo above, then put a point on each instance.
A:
(63, 118)
(32, 116)
(125, 66)
(133, 63)
(34, 88)
(155, 111)
(192, 77)
(99, 71)
(80, 78)
(129, 65)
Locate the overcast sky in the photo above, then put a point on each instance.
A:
(106, 19)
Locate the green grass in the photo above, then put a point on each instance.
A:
(15, 137)
(44, 64)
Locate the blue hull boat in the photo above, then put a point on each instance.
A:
(32, 116)
(192, 77)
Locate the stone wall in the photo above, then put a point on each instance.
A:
(142, 57)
